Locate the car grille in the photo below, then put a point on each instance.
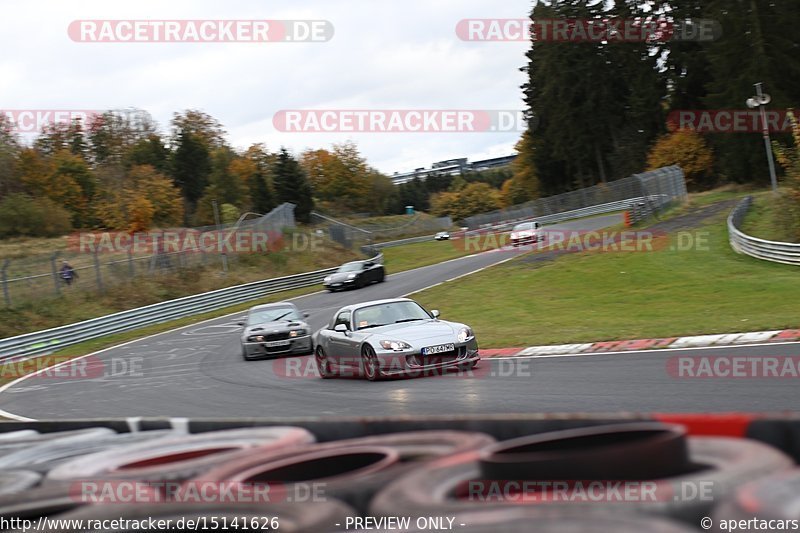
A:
(277, 336)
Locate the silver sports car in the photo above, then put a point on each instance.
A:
(395, 337)
(275, 329)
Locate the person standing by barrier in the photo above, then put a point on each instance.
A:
(68, 273)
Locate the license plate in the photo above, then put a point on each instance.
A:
(433, 350)
(273, 344)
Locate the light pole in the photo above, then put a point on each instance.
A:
(760, 100)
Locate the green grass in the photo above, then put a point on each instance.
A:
(611, 296)
(82, 302)
(765, 220)
(420, 254)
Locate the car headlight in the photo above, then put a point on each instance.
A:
(351, 276)
(256, 338)
(465, 334)
(297, 333)
(327, 278)
(395, 345)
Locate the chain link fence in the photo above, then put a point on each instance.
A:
(96, 267)
(658, 188)
(366, 233)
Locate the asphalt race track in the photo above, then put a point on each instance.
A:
(198, 371)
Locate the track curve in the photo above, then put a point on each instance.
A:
(198, 371)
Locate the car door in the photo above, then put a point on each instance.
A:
(367, 274)
(340, 345)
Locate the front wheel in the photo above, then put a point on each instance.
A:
(369, 364)
(323, 365)
(381, 276)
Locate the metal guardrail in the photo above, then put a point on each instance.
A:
(42, 342)
(652, 202)
(777, 252)
(667, 181)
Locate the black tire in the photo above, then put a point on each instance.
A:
(311, 517)
(370, 367)
(775, 497)
(382, 276)
(351, 470)
(48, 455)
(178, 458)
(730, 463)
(14, 481)
(46, 500)
(323, 365)
(25, 441)
(349, 473)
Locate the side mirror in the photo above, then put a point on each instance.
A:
(240, 324)
(341, 328)
(306, 314)
(435, 313)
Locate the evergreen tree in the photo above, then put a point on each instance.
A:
(291, 185)
(191, 166)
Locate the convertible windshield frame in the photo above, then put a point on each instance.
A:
(410, 310)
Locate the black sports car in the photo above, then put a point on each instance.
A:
(355, 274)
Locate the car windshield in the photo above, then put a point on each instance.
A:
(525, 226)
(351, 267)
(272, 314)
(388, 313)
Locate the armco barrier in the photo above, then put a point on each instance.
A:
(777, 252)
(40, 342)
(653, 202)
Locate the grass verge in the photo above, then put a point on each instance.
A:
(586, 297)
(82, 302)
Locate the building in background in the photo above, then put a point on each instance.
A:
(452, 167)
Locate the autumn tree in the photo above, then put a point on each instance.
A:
(473, 199)
(341, 176)
(524, 183)
(687, 149)
(149, 199)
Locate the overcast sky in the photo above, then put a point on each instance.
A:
(385, 54)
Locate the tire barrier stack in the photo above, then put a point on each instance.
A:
(571, 477)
